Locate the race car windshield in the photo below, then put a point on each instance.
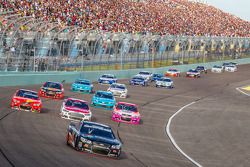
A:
(217, 67)
(99, 132)
(172, 70)
(52, 85)
(138, 78)
(77, 104)
(144, 73)
(127, 107)
(104, 95)
(157, 75)
(200, 68)
(27, 94)
(166, 80)
(82, 82)
(118, 87)
(108, 76)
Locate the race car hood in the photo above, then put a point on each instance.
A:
(117, 89)
(75, 109)
(103, 99)
(101, 139)
(51, 89)
(81, 85)
(26, 100)
(137, 80)
(107, 79)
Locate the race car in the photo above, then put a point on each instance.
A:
(146, 75)
(107, 79)
(126, 112)
(103, 99)
(156, 77)
(193, 73)
(94, 138)
(82, 85)
(173, 72)
(217, 69)
(165, 82)
(138, 80)
(26, 100)
(76, 109)
(52, 90)
(201, 69)
(119, 90)
(231, 68)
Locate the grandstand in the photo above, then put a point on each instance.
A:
(82, 35)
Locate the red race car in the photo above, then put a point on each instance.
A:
(26, 100)
(52, 90)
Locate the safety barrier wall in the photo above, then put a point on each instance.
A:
(32, 78)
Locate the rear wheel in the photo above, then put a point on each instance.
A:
(67, 139)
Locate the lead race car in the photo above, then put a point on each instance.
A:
(126, 112)
(107, 79)
(94, 138)
(103, 99)
(82, 85)
(119, 90)
(52, 90)
(26, 100)
(173, 72)
(75, 109)
(165, 82)
(193, 73)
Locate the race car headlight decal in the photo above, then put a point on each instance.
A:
(116, 146)
(16, 101)
(65, 110)
(85, 140)
(36, 104)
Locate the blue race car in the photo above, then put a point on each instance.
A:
(107, 79)
(103, 99)
(94, 138)
(82, 85)
(156, 77)
(138, 80)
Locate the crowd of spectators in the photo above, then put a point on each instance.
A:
(176, 17)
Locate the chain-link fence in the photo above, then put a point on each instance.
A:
(27, 44)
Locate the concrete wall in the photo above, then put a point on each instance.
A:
(31, 78)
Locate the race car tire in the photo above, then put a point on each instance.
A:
(67, 139)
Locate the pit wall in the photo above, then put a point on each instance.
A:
(33, 78)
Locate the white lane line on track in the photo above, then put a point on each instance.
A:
(172, 138)
(242, 92)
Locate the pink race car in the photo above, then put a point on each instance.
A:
(126, 112)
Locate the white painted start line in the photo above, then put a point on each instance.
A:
(239, 89)
(172, 138)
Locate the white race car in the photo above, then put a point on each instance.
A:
(231, 68)
(146, 75)
(165, 82)
(193, 73)
(119, 90)
(217, 69)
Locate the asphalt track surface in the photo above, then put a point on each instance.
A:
(215, 131)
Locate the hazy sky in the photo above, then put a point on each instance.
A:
(240, 8)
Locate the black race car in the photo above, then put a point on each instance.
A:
(94, 138)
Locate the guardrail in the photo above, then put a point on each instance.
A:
(32, 78)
